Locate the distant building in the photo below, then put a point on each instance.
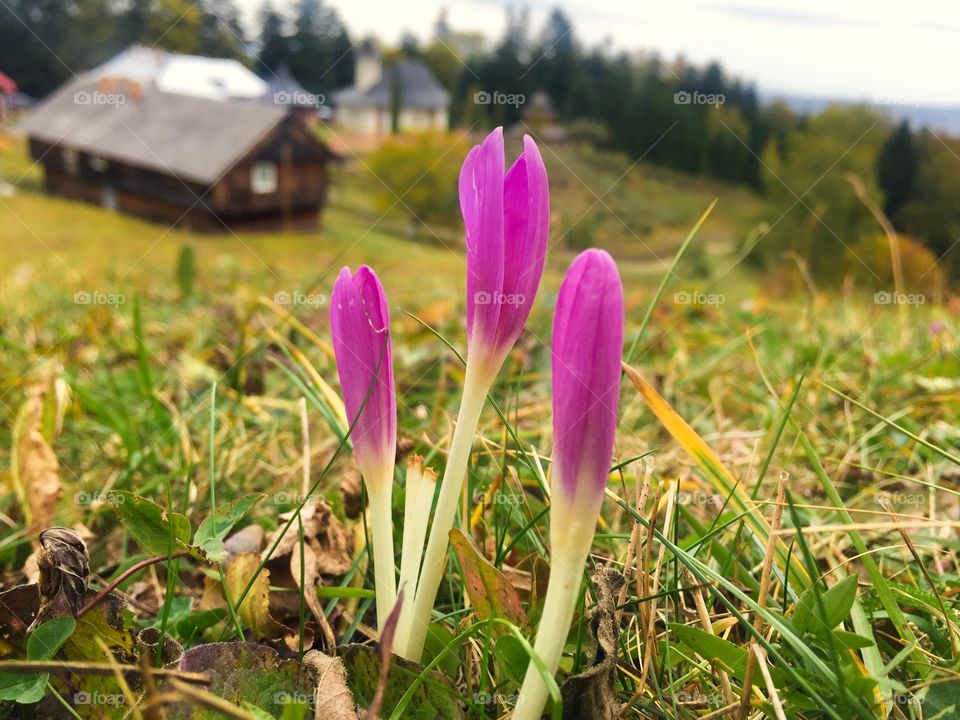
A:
(193, 157)
(404, 96)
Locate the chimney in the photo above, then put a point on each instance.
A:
(368, 69)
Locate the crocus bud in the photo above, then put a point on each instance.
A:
(360, 325)
(506, 218)
(587, 348)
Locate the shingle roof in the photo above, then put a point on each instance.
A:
(191, 137)
(417, 85)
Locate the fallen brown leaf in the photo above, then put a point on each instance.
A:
(332, 543)
(591, 695)
(254, 611)
(35, 469)
(310, 578)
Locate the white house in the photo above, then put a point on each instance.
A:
(404, 96)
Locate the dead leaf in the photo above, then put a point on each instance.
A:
(35, 469)
(591, 695)
(491, 593)
(310, 577)
(292, 638)
(148, 642)
(64, 567)
(38, 475)
(254, 611)
(332, 698)
(332, 544)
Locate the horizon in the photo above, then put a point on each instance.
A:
(747, 39)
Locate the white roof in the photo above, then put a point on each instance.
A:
(212, 78)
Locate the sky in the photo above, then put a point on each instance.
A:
(880, 51)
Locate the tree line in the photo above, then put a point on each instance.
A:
(696, 119)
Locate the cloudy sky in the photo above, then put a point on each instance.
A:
(905, 52)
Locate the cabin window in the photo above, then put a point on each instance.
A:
(98, 164)
(263, 177)
(71, 160)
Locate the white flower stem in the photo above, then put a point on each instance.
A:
(475, 386)
(381, 528)
(408, 548)
(421, 484)
(570, 544)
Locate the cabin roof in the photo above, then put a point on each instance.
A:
(417, 85)
(215, 78)
(194, 138)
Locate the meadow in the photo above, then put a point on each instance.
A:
(783, 510)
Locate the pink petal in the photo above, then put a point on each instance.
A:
(587, 349)
(526, 209)
(481, 202)
(360, 326)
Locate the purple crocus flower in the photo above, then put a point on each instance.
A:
(506, 217)
(587, 348)
(360, 325)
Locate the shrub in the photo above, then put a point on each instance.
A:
(418, 176)
(869, 263)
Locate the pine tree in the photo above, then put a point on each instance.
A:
(897, 167)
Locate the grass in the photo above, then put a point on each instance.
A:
(854, 407)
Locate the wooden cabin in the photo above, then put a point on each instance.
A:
(180, 159)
